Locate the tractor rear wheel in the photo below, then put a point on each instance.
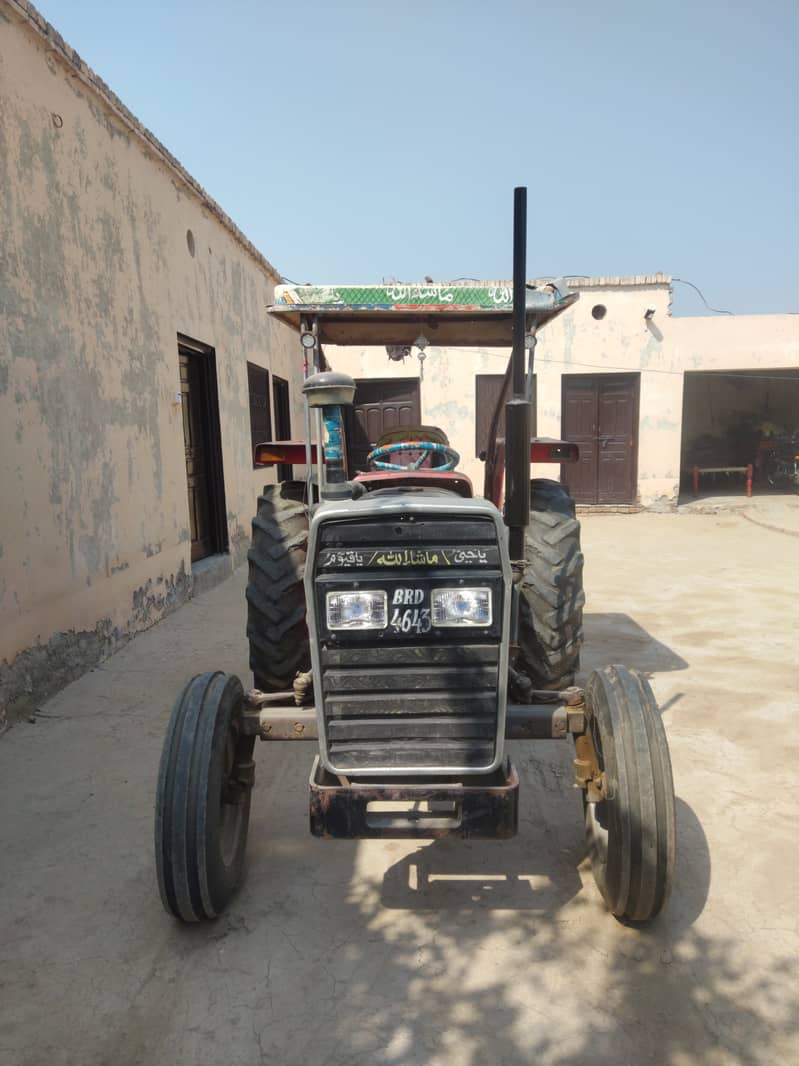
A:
(551, 592)
(630, 833)
(202, 808)
(276, 622)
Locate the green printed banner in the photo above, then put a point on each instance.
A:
(397, 296)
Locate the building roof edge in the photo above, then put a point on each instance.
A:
(617, 282)
(29, 14)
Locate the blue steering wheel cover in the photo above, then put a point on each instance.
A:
(424, 446)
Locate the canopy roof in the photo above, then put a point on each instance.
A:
(445, 314)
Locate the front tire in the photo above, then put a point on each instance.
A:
(631, 833)
(551, 593)
(202, 809)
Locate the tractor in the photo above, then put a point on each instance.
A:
(410, 627)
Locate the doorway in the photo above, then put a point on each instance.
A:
(379, 405)
(733, 418)
(202, 441)
(600, 415)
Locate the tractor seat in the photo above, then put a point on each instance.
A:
(431, 433)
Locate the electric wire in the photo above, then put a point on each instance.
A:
(743, 375)
(696, 288)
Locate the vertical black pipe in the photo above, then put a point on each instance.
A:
(517, 411)
(519, 280)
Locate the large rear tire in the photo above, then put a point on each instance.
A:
(202, 808)
(551, 592)
(276, 616)
(631, 833)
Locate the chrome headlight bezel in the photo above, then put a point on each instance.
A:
(338, 601)
(476, 608)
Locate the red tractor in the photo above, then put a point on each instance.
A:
(411, 628)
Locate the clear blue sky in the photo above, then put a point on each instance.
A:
(356, 140)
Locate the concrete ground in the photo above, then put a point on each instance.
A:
(439, 954)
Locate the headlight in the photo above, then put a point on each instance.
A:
(356, 610)
(461, 607)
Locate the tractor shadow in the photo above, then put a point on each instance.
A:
(479, 876)
(545, 866)
(534, 895)
(536, 871)
(449, 951)
(542, 870)
(613, 637)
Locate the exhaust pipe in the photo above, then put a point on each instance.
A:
(517, 410)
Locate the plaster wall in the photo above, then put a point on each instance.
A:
(96, 281)
(736, 342)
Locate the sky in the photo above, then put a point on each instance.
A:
(357, 141)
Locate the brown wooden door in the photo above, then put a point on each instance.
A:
(488, 392)
(600, 415)
(379, 405)
(579, 422)
(192, 383)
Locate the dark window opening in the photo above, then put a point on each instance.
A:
(280, 394)
(599, 311)
(260, 417)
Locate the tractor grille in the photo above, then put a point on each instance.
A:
(410, 700)
(411, 706)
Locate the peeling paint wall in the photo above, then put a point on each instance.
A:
(661, 349)
(98, 275)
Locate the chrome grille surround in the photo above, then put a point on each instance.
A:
(396, 704)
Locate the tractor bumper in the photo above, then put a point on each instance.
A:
(480, 806)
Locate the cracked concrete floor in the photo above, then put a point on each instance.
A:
(444, 953)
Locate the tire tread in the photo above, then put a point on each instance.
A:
(182, 797)
(551, 590)
(276, 613)
(636, 879)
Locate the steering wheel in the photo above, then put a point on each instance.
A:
(426, 447)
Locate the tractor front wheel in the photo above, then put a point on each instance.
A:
(630, 831)
(202, 806)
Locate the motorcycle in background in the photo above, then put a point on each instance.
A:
(782, 462)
